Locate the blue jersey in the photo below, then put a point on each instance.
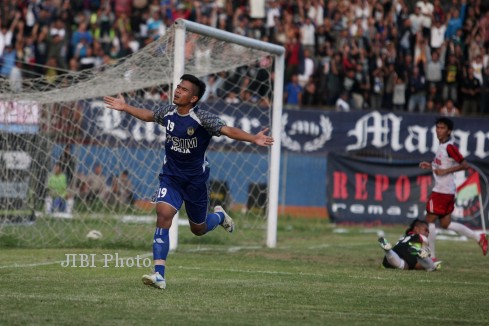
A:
(187, 139)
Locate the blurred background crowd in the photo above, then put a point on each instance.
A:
(414, 56)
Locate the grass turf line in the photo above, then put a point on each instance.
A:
(313, 277)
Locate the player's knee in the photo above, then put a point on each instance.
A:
(444, 225)
(163, 221)
(199, 232)
(198, 229)
(445, 222)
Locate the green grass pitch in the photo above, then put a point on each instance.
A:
(315, 276)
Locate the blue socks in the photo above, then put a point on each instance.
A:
(213, 220)
(161, 247)
(160, 269)
(161, 240)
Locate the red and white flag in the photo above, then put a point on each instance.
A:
(470, 188)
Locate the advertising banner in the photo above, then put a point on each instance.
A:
(304, 131)
(19, 117)
(375, 191)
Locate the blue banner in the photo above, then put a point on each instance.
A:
(304, 131)
(403, 134)
(104, 126)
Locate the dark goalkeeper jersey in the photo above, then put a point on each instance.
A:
(406, 249)
(187, 138)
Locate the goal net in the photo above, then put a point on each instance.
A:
(109, 161)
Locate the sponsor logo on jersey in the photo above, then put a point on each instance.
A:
(182, 145)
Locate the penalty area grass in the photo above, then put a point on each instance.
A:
(317, 275)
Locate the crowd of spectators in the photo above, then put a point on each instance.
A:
(414, 56)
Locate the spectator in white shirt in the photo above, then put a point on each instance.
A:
(316, 12)
(6, 34)
(308, 68)
(435, 63)
(363, 11)
(342, 104)
(449, 109)
(427, 9)
(273, 11)
(416, 20)
(257, 9)
(437, 34)
(308, 32)
(478, 67)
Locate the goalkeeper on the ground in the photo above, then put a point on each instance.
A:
(411, 251)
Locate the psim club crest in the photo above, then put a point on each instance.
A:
(190, 131)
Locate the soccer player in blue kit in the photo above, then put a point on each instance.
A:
(185, 173)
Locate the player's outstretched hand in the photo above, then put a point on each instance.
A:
(115, 103)
(262, 139)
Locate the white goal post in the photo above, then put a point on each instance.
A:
(274, 168)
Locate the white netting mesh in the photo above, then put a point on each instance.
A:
(62, 119)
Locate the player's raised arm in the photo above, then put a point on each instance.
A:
(119, 104)
(260, 138)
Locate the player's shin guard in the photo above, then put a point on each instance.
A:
(432, 238)
(427, 264)
(213, 220)
(394, 259)
(161, 247)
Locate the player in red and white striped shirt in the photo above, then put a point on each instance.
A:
(447, 161)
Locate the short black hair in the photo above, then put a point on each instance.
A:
(446, 121)
(197, 82)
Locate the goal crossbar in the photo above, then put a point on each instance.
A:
(230, 37)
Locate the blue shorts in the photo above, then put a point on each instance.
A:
(195, 193)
